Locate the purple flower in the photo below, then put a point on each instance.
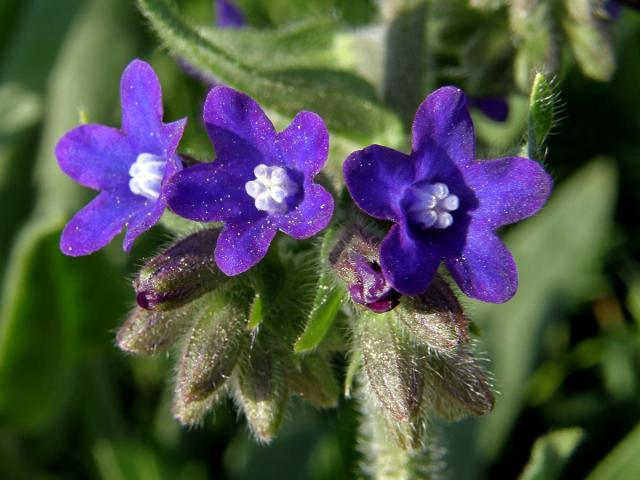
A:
(496, 108)
(261, 181)
(371, 288)
(129, 166)
(229, 15)
(446, 205)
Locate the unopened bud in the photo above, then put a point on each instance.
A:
(435, 317)
(180, 274)
(458, 386)
(211, 353)
(393, 364)
(356, 262)
(313, 379)
(147, 332)
(261, 389)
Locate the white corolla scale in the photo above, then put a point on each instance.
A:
(271, 188)
(146, 174)
(432, 205)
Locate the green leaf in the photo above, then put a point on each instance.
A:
(623, 462)
(550, 454)
(304, 44)
(327, 301)
(256, 313)
(57, 325)
(590, 39)
(345, 113)
(534, 30)
(558, 253)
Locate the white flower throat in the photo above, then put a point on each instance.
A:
(271, 188)
(432, 205)
(146, 174)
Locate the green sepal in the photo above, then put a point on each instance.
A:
(542, 116)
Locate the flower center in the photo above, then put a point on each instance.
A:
(431, 205)
(271, 188)
(146, 175)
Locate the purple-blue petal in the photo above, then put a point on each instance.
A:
(244, 242)
(406, 263)
(485, 270)
(304, 144)
(376, 178)
(312, 215)
(496, 108)
(237, 126)
(141, 99)
(100, 220)
(95, 156)
(229, 15)
(508, 189)
(442, 127)
(211, 192)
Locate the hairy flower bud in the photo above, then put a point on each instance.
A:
(261, 390)
(435, 317)
(148, 332)
(457, 386)
(180, 274)
(392, 364)
(211, 353)
(313, 379)
(355, 260)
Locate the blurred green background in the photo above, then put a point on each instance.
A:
(565, 351)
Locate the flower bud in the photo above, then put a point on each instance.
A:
(392, 363)
(457, 386)
(148, 332)
(313, 379)
(356, 262)
(211, 353)
(435, 317)
(180, 274)
(261, 389)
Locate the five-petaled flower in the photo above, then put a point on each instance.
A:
(446, 204)
(261, 181)
(129, 167)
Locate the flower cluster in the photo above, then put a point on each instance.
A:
(445, 204)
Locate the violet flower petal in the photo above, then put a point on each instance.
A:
(99, 221)
(95, 156)
(496, 108)
(376, 178)
(238, 127)
(509, 189)
(310, 216)
(243, 244)
(304, 144)
(407, 265)
(485, 270)
(443, 121)
(229, 15)
(211, 192)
